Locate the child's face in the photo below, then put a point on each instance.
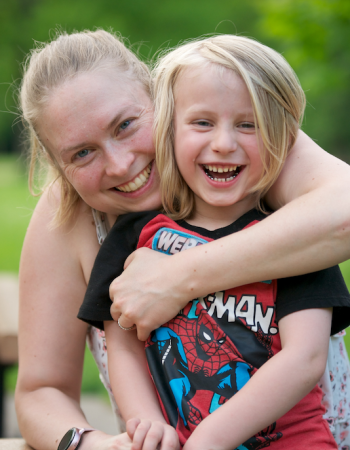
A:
(216, 144)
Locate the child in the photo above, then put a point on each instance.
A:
(236, 369)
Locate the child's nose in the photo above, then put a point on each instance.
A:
(224, 141)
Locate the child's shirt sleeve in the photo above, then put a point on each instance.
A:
(323, 289)
(121, 241)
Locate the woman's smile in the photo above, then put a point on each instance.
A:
(138, 182)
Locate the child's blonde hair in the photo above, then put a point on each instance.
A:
(49, 66)
(277, 98)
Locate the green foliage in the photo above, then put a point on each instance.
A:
(16, 206)
(314, 36)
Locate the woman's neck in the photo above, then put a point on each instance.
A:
(111, 218)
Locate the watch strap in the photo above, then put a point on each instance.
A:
(71, 439)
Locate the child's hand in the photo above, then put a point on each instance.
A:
(152, 435)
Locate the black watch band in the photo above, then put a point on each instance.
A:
(71, 439)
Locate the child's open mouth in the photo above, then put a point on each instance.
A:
(221, 173)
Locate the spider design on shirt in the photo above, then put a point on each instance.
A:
(195, 354)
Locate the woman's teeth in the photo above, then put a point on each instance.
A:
(137, 182)
(230, 172)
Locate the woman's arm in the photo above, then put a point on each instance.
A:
(275, 388)
(134, 391)
(54, 267)
(309, 232)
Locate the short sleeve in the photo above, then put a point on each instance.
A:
(322, 289)
(119, 244)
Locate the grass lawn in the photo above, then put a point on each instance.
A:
(16, 206)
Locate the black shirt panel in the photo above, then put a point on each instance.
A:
(120, 242)
(327, 286)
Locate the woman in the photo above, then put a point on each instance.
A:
(86, 101)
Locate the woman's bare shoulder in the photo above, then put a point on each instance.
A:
(74, 242)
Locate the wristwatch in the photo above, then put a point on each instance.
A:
(71, 439)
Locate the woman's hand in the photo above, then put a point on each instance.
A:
(141, 297)
(152, 435)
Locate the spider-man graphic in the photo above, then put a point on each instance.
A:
(196, 368)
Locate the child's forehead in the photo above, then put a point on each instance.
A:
(191, 73)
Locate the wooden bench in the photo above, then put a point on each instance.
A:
(14, 444)
(8, 334)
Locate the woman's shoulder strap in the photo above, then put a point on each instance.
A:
(102, 226)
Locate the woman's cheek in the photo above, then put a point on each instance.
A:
(86, 181)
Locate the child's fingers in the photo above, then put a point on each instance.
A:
(170, 440)
(161, 436)
(131, 426)
(154, 437)
(140, 434)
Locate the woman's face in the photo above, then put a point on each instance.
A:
(98, 126)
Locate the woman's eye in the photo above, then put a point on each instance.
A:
(125, 124)
(82, 153)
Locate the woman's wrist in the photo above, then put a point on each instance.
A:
(93, 439)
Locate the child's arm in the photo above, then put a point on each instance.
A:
(134, 391)
(275, 388)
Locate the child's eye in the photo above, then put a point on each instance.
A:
(203, 123)
(248, 125)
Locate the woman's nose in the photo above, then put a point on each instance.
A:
(118, 161)
(224, 141)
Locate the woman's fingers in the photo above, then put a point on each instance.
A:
(148, 293)
(125, 324)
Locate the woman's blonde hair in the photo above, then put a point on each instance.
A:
(49, 66)
(277, 98)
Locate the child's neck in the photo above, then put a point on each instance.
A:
(213, 217)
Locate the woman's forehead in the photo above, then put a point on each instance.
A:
(104, 81)
(89, 103)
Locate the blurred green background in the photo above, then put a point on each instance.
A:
(313, 35)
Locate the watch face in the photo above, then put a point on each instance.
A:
(67, 439)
